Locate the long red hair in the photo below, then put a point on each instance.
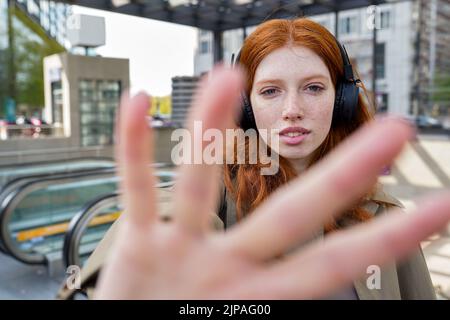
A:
(245, 183)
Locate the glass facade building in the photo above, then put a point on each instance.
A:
(99, 100)
(29, 31)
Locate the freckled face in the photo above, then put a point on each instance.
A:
(293, 91)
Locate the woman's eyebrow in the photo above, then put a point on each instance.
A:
(309, 77)
(315, 76)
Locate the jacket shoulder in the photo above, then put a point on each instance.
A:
(380, 201)
(381, 195)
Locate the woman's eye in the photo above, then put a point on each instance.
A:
(315, 89)
(268, 92)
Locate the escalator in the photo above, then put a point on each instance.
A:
(14, 176)
(35, 214)
(89, 226)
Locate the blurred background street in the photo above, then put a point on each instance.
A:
(64, 65)
(422, 168)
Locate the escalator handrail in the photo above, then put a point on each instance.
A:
(81, 220)
(77, 171)
(48, 175)
(13, 198)
(78, 223)
(80, 159)
(45, 162)
(15, 183)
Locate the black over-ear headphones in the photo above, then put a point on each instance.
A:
(345, 103)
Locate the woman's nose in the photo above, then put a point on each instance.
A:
(292, 111)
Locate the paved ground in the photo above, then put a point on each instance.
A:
(423, 167)
(20, 281)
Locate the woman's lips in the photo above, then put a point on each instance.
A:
(294, 135)
(293, 140)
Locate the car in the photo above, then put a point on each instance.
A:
(424, 121)
(22, 120)
(446, 123)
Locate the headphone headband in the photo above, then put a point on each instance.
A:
(346, 100)
(348, 68)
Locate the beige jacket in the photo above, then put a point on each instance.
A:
(409, 279)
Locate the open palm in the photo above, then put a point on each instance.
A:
(183, 259)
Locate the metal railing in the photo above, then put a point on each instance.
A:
(104, 210)
(29, 131)
(31, 238)
(36, 232)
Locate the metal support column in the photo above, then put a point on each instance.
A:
(374, 58)
(218, 46)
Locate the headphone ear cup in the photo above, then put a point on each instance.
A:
(247, 120)
(337, 110)
(350, 94)
(346, 102)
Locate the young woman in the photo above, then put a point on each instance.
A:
(296, 73)
(294, 70)
(299, 87)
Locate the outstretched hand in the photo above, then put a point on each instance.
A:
(183, 259)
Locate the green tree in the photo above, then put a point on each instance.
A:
(29, 47)
(442, 89)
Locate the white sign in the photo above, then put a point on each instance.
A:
(86, 31)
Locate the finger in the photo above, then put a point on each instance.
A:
(303, 206)
(212, 112)
(344, 256)
(134, 154)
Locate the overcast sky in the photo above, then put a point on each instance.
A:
(157, 50)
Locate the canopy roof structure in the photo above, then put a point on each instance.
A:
(222, 15)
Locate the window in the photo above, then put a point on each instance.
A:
(33, 8)
(383, 102)
(99, 101)
(385, 19)
(348, 25)
(57, 102)
(380, 53)
(204, 47)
